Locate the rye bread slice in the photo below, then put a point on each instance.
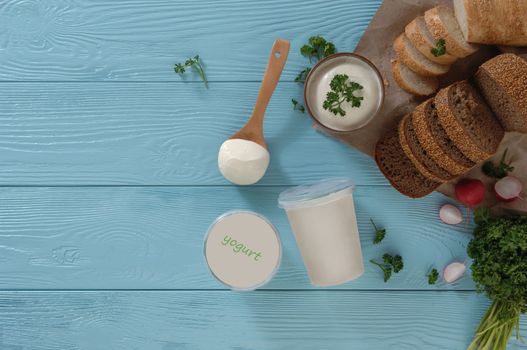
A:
(503, 82)
(435, 141)
(417, 154)
(399, 170)
(468, 121)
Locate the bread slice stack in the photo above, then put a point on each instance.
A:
(441, 139)
(462, 126)
(418, 63)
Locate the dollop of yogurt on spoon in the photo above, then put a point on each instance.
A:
(243, 162)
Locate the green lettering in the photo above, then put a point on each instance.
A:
(240, 247)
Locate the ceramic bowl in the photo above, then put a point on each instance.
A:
(321, 70)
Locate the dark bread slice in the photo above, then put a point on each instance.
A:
(468, 121)
(503, 82)
(417, 155)
(435, 141)
(399, 170)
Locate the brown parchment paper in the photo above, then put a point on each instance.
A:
(376, 45)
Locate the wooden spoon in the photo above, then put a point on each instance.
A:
(253, 129)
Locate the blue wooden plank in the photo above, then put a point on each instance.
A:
(157, 133)
(152, 237)
(224, 320)
(137, 40)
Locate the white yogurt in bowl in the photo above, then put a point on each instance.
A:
(359, 70)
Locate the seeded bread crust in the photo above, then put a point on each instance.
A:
(427, 167)
(425, 44)
(506, 74)
(442, 156)
(468, 144)
(432, 83)
(399, 170)
(439, 30)
(415, 60)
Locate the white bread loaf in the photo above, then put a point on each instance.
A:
(415, 60)
(496, 22)
(423, 41)
(441, 22)
(412, 82)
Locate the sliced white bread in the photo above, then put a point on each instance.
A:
(412, 82)
(442, 24)
(415, 60)
(423, 41)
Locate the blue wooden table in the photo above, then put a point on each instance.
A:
(109, 181)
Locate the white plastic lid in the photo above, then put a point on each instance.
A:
(243, 250)
(315, 194)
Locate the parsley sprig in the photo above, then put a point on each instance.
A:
(433, 276)
(301, 77)
(316, 49)
(380, 233)
(342, 91)
(390, 264)
(297, 106)
(192, 62)
(498, 171)
(440, 48)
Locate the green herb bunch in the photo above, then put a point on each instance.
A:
(499, 269)
(192, 62)
(342, 90)
(389, 264)
(497, 171)
(297, 106)
(440, 48)
(316, 49)
(433, 276)
(380, 233)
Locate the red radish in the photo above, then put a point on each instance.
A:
(470, 192)
(508, 188)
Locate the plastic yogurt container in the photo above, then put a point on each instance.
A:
(322, 217)
(242, 250)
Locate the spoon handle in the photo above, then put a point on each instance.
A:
(272, 73)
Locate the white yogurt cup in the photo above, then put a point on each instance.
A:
(322, 217)
(242, 250)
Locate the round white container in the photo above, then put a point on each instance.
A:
(322, 217)
(242, 250)
(360, 70)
